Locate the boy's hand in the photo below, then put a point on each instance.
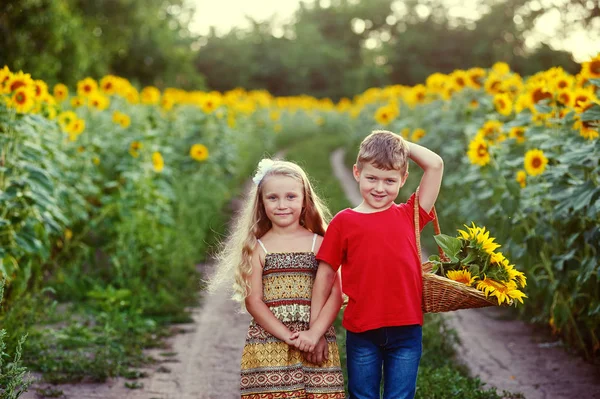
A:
(306, 341)
(320, 354)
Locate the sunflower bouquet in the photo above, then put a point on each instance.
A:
(471, 259)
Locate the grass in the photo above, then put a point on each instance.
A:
(440, 376)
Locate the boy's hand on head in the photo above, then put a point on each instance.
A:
(306, 341)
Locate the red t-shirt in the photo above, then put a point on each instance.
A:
(381, 269)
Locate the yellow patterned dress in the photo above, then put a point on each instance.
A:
(272, 369)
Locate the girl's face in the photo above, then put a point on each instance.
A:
(283, 198)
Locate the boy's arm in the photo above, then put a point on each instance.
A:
(260, 311)
(322, 290)
(433, 167)
(324, 319)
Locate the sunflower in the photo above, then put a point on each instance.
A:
(461, 276)
(517, 133)
(501, 68)
(479, 237)
(60, 91)
(493, 84)
(587, 130)
(417, 95)
(503, 104)
(566, 98)
(476, 77)
(386, 114)
(275, 115)
(134, 148)
(109, 84)
(417, 135)
(132, 95)
(150, 95)
(157, 161)
(538, 93)
(504, 292)
(18, 80)
(167, 103)
(535, 162)
(23, 99)
(65, 118)
(210, 103)
(521, 178)
(478, 152)
(76, 127)
(460, 79)
(4, 76)
(491, 130)
(523, 102)
(98, 101)
(199, 152)
(86, 87)
(591, 69)
(121, 119)
(41, 89)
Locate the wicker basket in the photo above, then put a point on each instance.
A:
(441, 294)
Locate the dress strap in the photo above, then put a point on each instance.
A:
(313, 244)
(263, 246)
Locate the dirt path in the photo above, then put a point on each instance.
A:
(205, 362)
(505, 353)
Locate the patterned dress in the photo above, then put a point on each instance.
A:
(272, 369)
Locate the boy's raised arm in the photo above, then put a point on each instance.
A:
(433, 168)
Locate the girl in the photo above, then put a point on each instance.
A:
(271, 252)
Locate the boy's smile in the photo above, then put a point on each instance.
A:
(378, 187)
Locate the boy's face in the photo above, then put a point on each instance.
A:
(378, 187)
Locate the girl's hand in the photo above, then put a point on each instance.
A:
(292, 339)
(320, 354)
(306, 341)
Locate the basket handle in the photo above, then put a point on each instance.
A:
(436, 227)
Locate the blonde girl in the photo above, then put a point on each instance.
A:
(271, 254)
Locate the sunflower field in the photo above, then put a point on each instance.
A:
(110, 194)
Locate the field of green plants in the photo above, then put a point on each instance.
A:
(110, 195)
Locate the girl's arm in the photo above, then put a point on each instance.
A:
(433, 167)
(259, 310)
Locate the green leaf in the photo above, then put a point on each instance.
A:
(592, 114)
(450, 245)
(474, 270)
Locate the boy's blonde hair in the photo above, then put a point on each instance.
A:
(235, 258)
(385, 150)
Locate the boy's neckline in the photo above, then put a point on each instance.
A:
(375, 212)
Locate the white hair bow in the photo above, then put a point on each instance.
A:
(263, 167)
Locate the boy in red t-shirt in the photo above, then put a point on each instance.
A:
(375, 245)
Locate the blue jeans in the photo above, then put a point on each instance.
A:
(395, 350)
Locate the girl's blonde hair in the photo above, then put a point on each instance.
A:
(251, 223)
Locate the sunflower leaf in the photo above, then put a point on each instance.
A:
(450, 245)
(474, 270)
(470, 257)
(592, 114)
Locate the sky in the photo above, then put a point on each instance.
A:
(227, 14)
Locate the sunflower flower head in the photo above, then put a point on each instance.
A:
(535, 162)
(461, 276)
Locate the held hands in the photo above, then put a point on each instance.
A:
(320, 354)
(306, 341)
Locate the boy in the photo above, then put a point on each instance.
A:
(375, 245)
